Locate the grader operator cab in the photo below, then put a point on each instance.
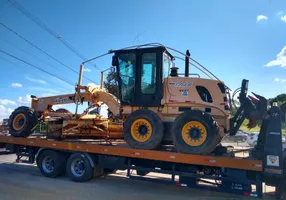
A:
(157, 106)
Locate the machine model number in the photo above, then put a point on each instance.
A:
(181, 84)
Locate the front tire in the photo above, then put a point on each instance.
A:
(195, 132)
(143, 129)
(21, 122)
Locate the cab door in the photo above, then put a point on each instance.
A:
(149, 91)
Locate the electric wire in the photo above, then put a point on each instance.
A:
(14, 64)
(48, 29)
(19, 59)
(52, 57)
(26, 52)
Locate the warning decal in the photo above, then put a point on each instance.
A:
(185, 93)
(272, 160)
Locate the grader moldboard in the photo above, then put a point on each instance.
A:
(156, 105)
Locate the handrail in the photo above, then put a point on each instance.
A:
(192, 74)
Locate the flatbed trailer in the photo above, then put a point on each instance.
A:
(221, 171)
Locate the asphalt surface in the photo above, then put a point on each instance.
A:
(23, 181)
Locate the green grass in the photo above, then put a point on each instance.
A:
(257, 128)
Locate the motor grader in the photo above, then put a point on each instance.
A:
(156, 105)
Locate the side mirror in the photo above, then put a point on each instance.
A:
(114, 61)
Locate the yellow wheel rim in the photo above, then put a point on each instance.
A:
(19, 121)
(141, 130)
(194, 133)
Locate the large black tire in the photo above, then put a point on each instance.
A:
(202, 137)
(136, 125)
(79, 168)
(22, 120)
(51, 163)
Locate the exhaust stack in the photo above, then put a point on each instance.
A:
(187, 63)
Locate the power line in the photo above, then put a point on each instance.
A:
(19, 59)
(23, 50)
(48, 29)
(8, 61)
(26, 52)
(42, 50)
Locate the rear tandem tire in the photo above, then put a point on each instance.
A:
(143, 129)
(79, 168)
(195, 132)
(22, 121)
(52, 163)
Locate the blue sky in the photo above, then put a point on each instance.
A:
(233, 39)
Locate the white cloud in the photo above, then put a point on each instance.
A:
(36, 80)
(261, 17)
(26, 100)
(5, 112)
(280, 80)
(280, 59)
(283, 18)
(7, 102)
(16, 85)
(86, 70)
(92, 85)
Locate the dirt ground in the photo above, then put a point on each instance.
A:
(22, 181)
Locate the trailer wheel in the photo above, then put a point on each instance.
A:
(195, 132)
(143, 129)
(21, 121)
(79, 168)
(51, 163)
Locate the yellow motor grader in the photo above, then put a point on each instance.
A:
(157, 105)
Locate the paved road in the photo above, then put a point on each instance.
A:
(21, 181)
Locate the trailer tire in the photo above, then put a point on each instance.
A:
(79, 168)
(195, 132)
(22, 121)
(52, 163)
(143, 129)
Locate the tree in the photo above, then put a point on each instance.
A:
(111, 82)
(279, 99)
(283, 107)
